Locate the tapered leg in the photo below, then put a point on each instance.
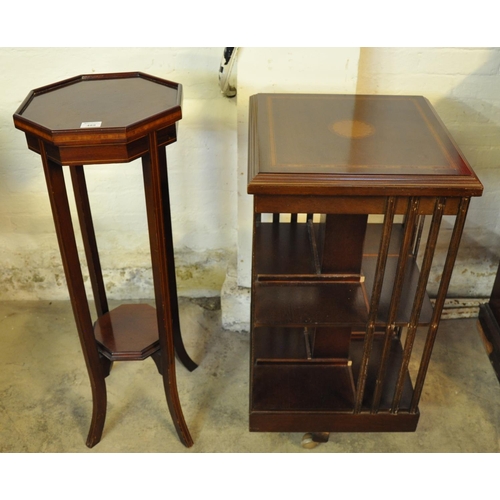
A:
(158, 211)
(89, 240)
(180, 350)
(69, 253)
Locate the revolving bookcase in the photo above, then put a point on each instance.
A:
(349, 197)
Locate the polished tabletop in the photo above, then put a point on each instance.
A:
(100, 118)
(332, 140)
(98, 104)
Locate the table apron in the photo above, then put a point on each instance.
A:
(93, 154)
(345, 204)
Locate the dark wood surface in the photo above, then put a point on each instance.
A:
(340, 231)
(275, 386)
(127, 106)
(337, 302)
(353, 145)
(332, 421)
(292, 304)
(89, 240)
(283, 260)
(131, 115)
(129, 332)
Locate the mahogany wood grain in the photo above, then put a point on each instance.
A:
(71, 263)
(101, 119)
(354, 145)
(335, 302)
(129, 332)
(89, 240)
(156, 189)
(341, 232)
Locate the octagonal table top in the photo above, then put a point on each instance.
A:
(100, 110)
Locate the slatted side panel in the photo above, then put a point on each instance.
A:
(388, 365)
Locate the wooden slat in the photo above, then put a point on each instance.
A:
(374, 302)
(419, 299)
(441, 296)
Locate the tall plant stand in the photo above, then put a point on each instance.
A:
(102, 119)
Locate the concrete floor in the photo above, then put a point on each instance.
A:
(45, 401)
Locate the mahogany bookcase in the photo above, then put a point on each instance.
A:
(350, 192)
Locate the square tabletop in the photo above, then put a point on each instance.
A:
(355, 145)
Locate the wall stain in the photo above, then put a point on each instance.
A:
(198, 274)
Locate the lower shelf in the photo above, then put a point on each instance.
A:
(295, 385)
(128, 333)
(292, 394)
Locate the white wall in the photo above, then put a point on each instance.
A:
(201, 175)
(207, 166)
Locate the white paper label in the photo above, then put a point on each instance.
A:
(90, 124)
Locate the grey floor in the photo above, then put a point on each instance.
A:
(45, 403)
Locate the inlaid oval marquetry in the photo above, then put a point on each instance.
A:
(352, 129)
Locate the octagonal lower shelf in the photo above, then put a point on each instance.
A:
(127, 333)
